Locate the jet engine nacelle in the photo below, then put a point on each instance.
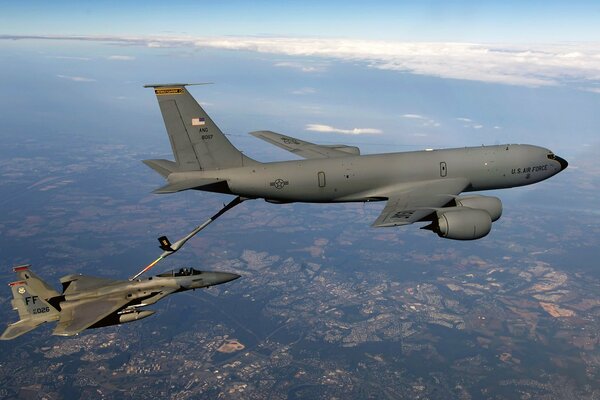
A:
(492, 205)
(462, 223)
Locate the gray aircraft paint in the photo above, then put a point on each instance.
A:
(92, 302)
(369, 177)
(423, 184)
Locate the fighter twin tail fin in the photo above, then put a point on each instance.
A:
(30, 300)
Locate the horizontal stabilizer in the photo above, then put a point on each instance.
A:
(163, 167)
(20, 327)
(193, 183)
(306, 149)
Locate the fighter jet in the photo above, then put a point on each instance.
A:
(90, 302)
(418, 186)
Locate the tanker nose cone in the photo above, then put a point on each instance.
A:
(563, 163)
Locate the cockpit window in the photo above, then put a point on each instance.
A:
(551, 156)
(180, 272)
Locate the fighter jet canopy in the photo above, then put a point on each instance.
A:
(180, 272)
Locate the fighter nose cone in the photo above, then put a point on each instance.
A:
(223, 277)
(563, 163)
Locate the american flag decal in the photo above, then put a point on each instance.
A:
(197, 121)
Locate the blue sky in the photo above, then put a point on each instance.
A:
(390, 76)
(497, 21)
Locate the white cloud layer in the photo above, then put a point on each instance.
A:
(76, 78)
(413, 116)
(121, 58)
(469, 123)
(423, 120)
(331, 129)
(535, 65)
(304, 91)
(303, 67)
(70, 58)
(526, 65)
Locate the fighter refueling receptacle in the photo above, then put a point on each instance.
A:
(90, 302)
(419, 186)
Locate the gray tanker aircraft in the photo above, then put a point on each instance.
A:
(419, 186)
(91, 302)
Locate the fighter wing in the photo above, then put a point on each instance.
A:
(412, 202)
(77, 283)
(306, 149)
(79, 315)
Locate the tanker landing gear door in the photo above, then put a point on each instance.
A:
(443, 169)
(321, 176)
